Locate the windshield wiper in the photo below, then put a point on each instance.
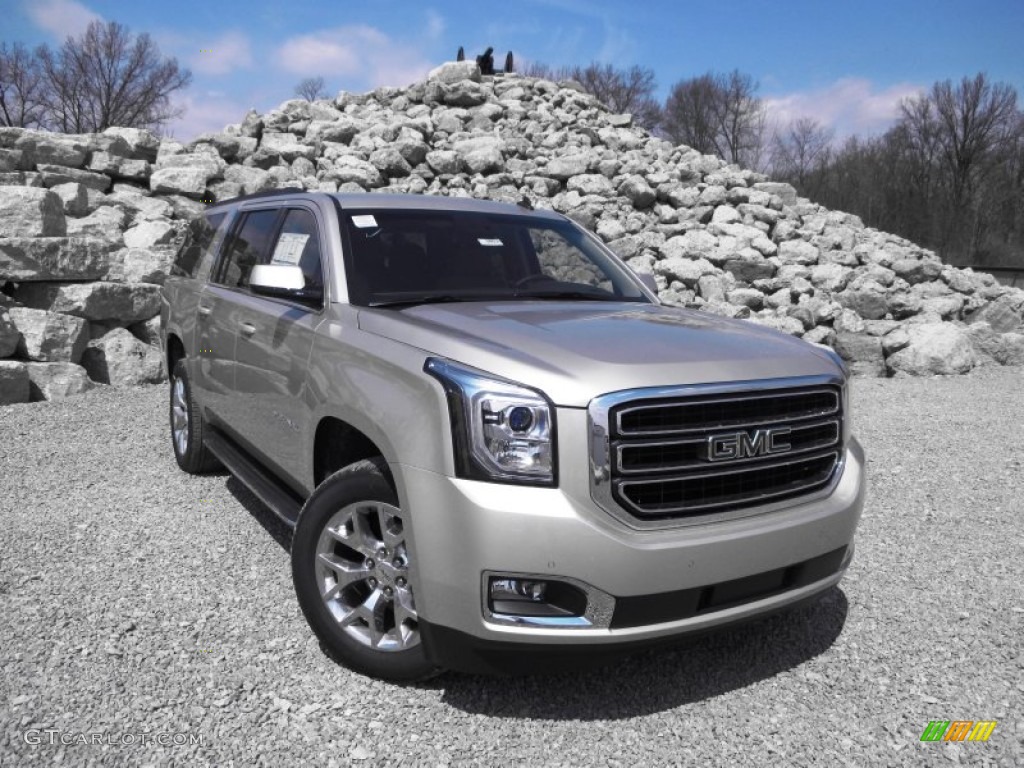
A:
(584, 295)
(437, 298)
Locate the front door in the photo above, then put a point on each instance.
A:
(275, 337)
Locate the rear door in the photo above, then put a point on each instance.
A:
(272, 351)
(219, 313)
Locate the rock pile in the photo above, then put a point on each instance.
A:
(90, 223)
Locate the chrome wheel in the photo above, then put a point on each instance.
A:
(362, 571)
(179, 416)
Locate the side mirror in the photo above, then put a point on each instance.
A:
(285, 281)
(648, 281)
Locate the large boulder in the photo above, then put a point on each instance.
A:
(1003, 314)
(53, 174)
(934, 348)
(140, 143)
(455, 71)
(27, 259)
(56, 381)
(124, 303)
(147, 234)
(31, 212)
(105, 222)
(142, 265)
(120, 359)
(14, 382)
(50, 336)
(180, 181)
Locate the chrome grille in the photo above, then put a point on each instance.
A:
(661, 463)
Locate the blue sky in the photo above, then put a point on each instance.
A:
(847, 64)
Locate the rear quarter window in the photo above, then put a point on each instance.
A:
(195, 246)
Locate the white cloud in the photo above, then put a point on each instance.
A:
(435, 25)
(358, 54)
(851, 105)
(218, 57)
(61, 17)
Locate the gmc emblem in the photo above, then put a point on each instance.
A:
(747, 445)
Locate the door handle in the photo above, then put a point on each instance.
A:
(247, 328)
(205, 311)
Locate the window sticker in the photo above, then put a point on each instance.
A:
(491, 241)
(289, 249)
(364, 221)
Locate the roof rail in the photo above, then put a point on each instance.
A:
(260, 194)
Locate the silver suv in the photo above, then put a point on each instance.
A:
(494, 444)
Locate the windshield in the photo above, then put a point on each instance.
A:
(409, 257)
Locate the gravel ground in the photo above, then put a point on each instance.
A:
(136, 601)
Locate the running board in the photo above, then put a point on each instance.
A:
(281, 500)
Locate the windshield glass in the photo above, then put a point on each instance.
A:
(408, 257)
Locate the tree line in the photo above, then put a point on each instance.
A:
(107, 76)
(948, 174)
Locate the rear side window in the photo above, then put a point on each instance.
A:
(250, 246)
(196, 244)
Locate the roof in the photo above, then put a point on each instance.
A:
(408, 202)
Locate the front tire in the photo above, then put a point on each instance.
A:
(350, 568)
(187, 426)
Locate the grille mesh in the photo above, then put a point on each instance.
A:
(662, 465)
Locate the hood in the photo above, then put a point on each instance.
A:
(573, 351)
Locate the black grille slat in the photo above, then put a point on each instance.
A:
(725, 412)
(660, 463)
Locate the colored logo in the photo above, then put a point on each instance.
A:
(958, 730)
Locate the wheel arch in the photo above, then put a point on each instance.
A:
(338, 443)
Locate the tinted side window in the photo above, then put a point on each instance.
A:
(299, 244)
(197, 241)
(249, 247)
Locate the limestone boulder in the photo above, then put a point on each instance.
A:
(140, 143)
(106, 223)
(57, 381)
(147, 234)
(180, 181)
(27, 259)
(454, 72)
(120, 359)
(124, 303)
(30, 212)
(53, 174)
(934, 348)
(50, 336)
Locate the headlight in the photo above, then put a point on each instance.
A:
(502, 432)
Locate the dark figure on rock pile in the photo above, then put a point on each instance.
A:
(486, 62)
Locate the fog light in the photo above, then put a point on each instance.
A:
(525, 596)
(518, 589)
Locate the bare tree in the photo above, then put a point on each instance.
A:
(621, 90)
(717, 114)
(803, 146)
(108, 77)
(311, 89)
(21, 91)
(689, 114)
(974, 117)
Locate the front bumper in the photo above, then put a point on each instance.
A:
(462, 529)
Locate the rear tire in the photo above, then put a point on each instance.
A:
(187, 426)
(350, 568)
